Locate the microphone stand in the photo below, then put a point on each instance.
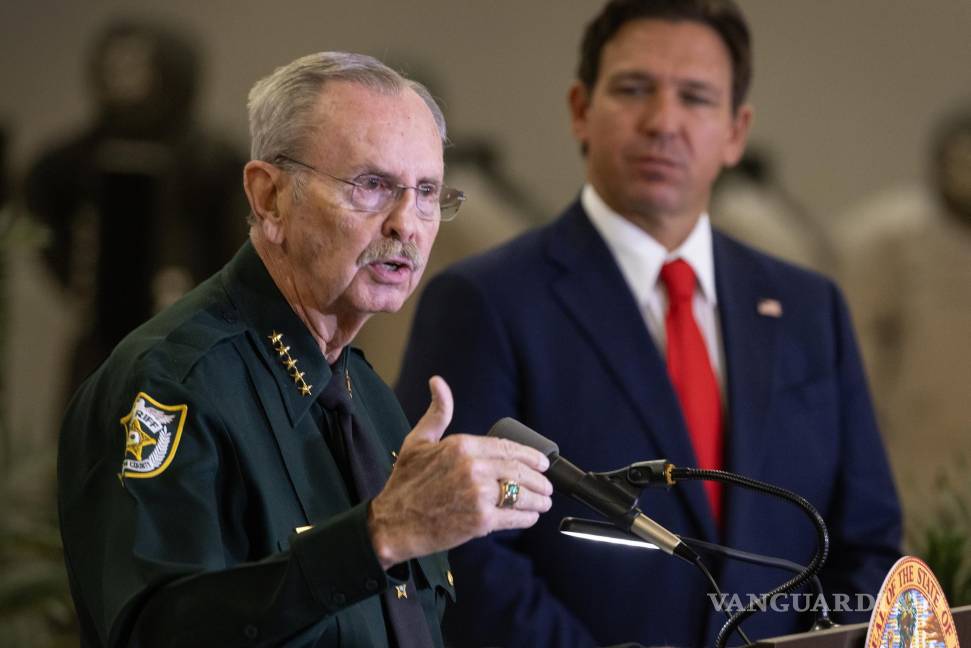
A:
(822, 536)
(600, 531)
(823, 620)
(660, 472)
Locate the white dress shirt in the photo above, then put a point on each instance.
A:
(640, 258)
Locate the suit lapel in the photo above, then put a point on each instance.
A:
(595, 296)
(750, 313)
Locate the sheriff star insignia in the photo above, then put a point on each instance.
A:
(401, 591)
(150, 423)
(137, 439)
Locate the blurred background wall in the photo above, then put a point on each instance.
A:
(847, 94)
(845, 91)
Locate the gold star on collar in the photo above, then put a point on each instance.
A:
(401, 591)
(290, 363)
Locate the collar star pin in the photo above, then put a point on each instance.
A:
(289, 363)
(401, 591)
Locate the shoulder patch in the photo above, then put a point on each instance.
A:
(152, 434)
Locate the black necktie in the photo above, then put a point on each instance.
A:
(359, 454)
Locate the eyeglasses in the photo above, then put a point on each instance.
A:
(375, 193)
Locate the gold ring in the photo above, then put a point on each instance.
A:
(508, 493)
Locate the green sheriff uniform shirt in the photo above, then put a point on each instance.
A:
(189, 461)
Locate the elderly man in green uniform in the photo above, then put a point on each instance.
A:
(235, 473)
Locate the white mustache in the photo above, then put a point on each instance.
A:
(386, 249)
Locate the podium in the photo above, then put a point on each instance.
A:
(853, 636)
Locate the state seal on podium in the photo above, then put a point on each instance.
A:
(911, 610)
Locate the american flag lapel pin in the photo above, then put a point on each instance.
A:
(769, 308)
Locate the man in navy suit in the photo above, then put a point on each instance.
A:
(572, 327)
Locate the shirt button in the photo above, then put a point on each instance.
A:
(251, 632)
(371, 585)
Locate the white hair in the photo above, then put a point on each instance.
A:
(281, 104)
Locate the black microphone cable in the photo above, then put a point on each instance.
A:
(615, 494)
(823, 620)
(607, 532)
(610, 532)
(822, 536)
(714, 584)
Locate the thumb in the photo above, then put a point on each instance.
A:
(439, 414)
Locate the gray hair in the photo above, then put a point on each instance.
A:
(280, 105)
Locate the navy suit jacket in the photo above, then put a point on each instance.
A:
(545, 329)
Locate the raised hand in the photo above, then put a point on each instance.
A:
(443, 492)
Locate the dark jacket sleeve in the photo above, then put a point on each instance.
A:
(167, 560)
(457, 335)
(865, 519)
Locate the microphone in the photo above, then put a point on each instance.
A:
(595, 491)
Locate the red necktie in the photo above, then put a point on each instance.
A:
(692, 375)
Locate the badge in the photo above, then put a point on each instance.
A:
(152, 433)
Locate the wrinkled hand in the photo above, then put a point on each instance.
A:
(443, 492)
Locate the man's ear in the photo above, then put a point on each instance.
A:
(738, 136)
(578, 99)
(264, 183)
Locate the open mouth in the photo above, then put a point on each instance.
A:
(393, 266)
(391, 270)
